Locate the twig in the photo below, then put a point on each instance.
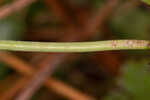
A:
(98, 19)
(10, 93)
(65, 89)
(40, 76)
(62, 12)
(14, 7)
(57, 86)
(59, 58)
(75, 46)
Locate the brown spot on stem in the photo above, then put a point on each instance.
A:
(129, 43)
(114, 44)
(148, 45)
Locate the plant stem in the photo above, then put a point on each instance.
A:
(74, 46)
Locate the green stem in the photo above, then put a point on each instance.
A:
(74, 46)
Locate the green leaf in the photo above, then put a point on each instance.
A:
(126, 25)
(12, 28)
(146, 1)
(135, 80)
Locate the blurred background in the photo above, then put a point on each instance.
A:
(111, 75)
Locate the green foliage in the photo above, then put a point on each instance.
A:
(130, 24)
(11, 28)
(135, 80)
(146, 1)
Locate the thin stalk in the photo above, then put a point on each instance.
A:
(74, 46)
